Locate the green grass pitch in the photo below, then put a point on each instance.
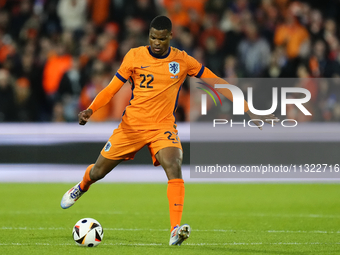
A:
(225, 219)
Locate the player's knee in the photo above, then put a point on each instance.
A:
(174, 164)
(173, 169)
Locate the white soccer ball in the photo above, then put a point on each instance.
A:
(88, 232)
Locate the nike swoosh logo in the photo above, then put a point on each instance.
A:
(144, 67)
(178, 205)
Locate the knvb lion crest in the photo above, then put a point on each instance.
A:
(174, 68)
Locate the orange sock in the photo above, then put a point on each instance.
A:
(176, 201)
(86, 182)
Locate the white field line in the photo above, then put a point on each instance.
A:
(238, 215)
(162, 244)
(195, 230)
(280, 243)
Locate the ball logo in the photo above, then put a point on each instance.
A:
(88, 232)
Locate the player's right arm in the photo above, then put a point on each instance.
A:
(110, 90)
(84, 116)
(101, 99)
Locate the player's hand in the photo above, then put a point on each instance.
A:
(270, 118)
(84, 116)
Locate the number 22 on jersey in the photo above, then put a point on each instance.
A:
(148, 79)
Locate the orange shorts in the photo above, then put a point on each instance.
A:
(125, 143)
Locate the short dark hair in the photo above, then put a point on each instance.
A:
(161, 23)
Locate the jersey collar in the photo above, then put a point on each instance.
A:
(156, 56)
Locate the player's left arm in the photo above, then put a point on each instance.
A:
(200, 71)
(209, 77)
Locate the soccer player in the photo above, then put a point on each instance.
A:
(156, 72)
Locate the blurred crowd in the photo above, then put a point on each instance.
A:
(56, 55)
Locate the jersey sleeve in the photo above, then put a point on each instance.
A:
(126, 68)
(195, 68)
(106, 94)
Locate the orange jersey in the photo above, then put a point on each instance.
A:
(156, 82)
